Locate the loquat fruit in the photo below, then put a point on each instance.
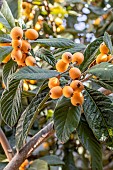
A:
(25, 86)
(16, 33)
(6, 59)
(97, 21)
(31, 34)
(33, 81)
(61, 66)
(5, 44)
(74, 73)
(109, 57)
(16, 44)
(77, 85)
(68, 91)
(56, 92)
(78, 58)
(58, 21)
(67, 57)
(16, 55)
(37, 26)
(30, 61)
(26, 47)
(77, 99)
(103, 48)
(54, 81)
(101, 58)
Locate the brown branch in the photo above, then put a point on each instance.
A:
(26, 151)
(5, 145)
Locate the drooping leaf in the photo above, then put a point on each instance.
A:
(9, 68)
(104, 83)
(6, 17)
(89, 141)
(55, 42)
(11, 103)
(4, 51)
(103, 70)
(46, 55)
(66, 119)
(27, 119)
(98, 111)
(39, 165)
(90, 53)
(34, 73)
(107, 40)
(4, 38)
(52, 160)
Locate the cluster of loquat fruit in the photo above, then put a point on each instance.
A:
(21, 47)
(104, 55)
(74, 89)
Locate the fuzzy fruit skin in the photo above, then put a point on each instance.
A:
(78, 58)
(67, 91)
(7, 59)
(61, 66)
(16, 55)
(77, 85)
(26, 47)
(16, 44)
(103, 48)
(77, 99)
(16, 33)
(30, 61)
(22, 61)
(74, 73)
(56, 92)
(101, 58)
(53, 82)
(31, 34)
(67, 57)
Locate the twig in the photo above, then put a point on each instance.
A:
(6, 146)
(27, 150)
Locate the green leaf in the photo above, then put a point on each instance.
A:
(52, 160)
(6, 17)
(4, 38)
(78, 47)
(46, 55)
(27, 119)
(103, 70)
(55, 42)
(39, 165)
(13, 5)
(104, 83)
(98, 111)
(11, 103)
(66, 118)
(97, 10)
(90, 53)
(34, 73)
(89, 141)
(8, 69)
(107, 40)
(4, 51)
(69, 161)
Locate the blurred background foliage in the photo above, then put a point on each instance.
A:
(81, 21)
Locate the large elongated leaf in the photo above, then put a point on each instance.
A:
(39, 165)
(104, 83)
(11, 103)
(9, 68)
(55, 42)
(107, 40)
(46, 55)
(89, 141)
(103, 70)
(66, 118)
(27, 119)
(4, 38)
(90, 53)
(6, 17)
(98, 111)
(52, 160)
(4, 51)
(34, 73)
(14, 7)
